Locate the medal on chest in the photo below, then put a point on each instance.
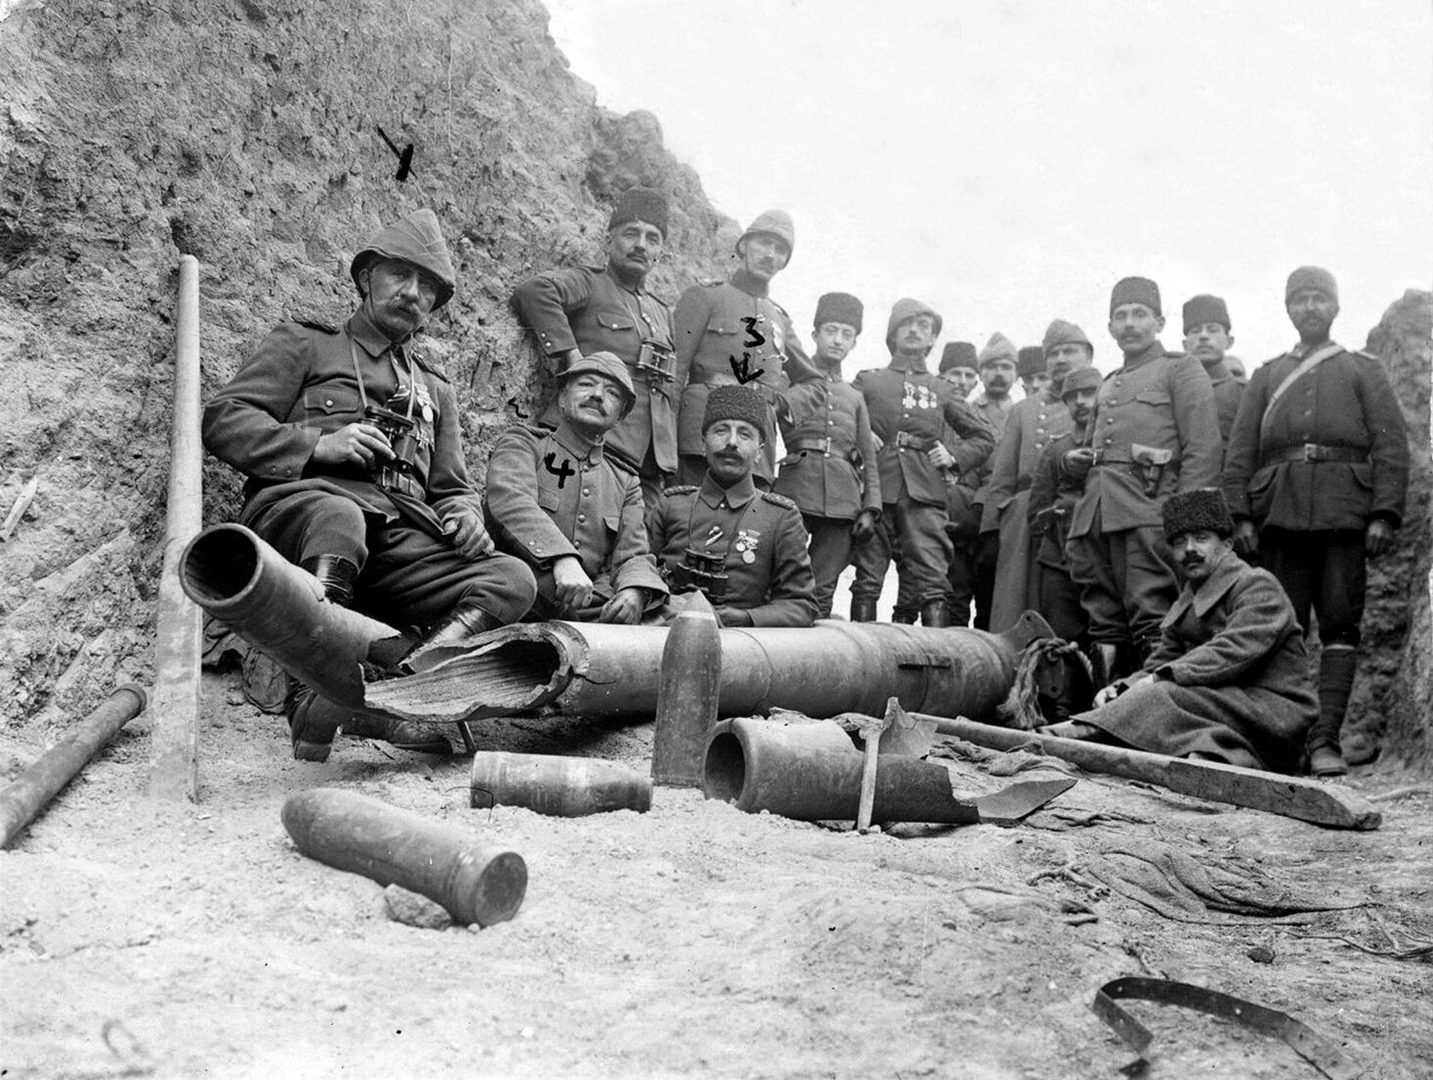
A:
(745, 544)
(917, 396)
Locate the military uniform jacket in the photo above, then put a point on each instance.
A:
(586, 309)
(910, 409)
(1029, 428)
(775, 585)
(1228, 389)
(721, 323)
(300, 384)
(830, 468)
(1346, 403)
(996, 412)
(1053, 495)
(554, 493)
(1164, 404)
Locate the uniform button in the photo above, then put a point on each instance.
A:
(587, 491)
(1039, 431)
(328, 403)
(581, 517)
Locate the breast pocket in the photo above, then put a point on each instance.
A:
(615, 330)
(331, 407)
(1153, 397)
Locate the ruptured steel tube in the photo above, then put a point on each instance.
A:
(23, 798)
(174, 731)
(280, 610)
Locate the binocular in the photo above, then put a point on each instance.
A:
(703, 571)
(402, 435)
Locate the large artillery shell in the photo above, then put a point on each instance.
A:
(688, 691)
(475, 883)
(560, 786)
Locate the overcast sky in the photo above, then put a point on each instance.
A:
(1008, 161)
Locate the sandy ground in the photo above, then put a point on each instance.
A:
(139, 939)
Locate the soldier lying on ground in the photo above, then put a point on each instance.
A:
(351, 444)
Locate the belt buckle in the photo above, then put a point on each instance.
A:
(826, 446)
(1313, 452)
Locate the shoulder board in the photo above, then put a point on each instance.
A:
(1175, 354)
(1366, 355)
(314, 324)
(429, 366)
(711, 283)
(537, 431)
(619, 465)
(779, 500)
(681, 489)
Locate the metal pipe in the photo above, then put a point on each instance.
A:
(593, 669)
(557, 786)
(280, 610)
(174, 734)
(23, 798)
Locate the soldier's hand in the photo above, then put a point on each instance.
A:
(878, 441)
(729, 616)
(464, 527)
(1109, 693)
(624, 608)
(863, 529)
(573, 586)
(560, 362)
(940, 456)
(1377, 537)
(1078, 462)
(353, 444)
(1246, 538)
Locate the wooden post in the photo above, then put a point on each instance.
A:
(174, 734)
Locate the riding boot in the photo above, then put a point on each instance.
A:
(336, 574)
(1107, 662)
(933, 613)
(315, 720)
(1337, 666)
(449, 636)
(863, 609)
(904, 616)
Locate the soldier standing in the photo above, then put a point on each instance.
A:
(732, 333)
(352, 445)
(1156, 432)
(1317, 476)
(1030, 426)
(584, 310)
(910, 409)
(830, 469)
(744, 548)
(573, 513)
(994, 403)
(960, 366)
(1207, 338)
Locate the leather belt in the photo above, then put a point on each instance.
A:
(918, 442)
(795, 445)
(1314, 452)
(1113, 457)
(392, 480)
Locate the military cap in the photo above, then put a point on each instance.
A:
(728, 402)
(1204, 308)
(775, 223)
(604, 363)
(1031, 361)
(839, 307)
(1197, 510)
(958, 354)
(415, 239)
(640, 204)
(906, 308)
(1085, 378)
(999, 347)
(1136, 290)
(1311, 277)
(1060, 332)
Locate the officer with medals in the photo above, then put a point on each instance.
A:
(351, 443)
(744, 548)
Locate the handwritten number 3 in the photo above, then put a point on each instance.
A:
(755, 338)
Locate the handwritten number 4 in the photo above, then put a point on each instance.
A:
(561, 473)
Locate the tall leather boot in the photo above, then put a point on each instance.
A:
(314, 720)
(1106, 664)
(863, 609)
(933, 613)
(904, 616)
(1337, 666)
(463, 623)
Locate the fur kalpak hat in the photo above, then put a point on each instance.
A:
(906, 308)
(1135, 290)
(735, 403)
(1204, 308)
(1191, 511)
(1311, 277)
(959, 354)
(999, 347)
(415, 239)
(1031, 362)
(1060, 332)
(640, 204)
(838, 307)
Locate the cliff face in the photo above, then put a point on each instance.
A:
(247, 134)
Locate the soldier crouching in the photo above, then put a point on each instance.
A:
(352, 447)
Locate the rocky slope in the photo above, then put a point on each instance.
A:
(247, 134)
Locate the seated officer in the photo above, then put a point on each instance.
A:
(351, 444)
(572, 512)
(744, 548)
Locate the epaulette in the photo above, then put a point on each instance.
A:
(681, 489)
(314, 324)
(620, 465)
(429, 366)
(779, 500)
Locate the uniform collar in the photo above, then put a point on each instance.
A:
(1209, 593)
(736, 496)
(984, 401)
(913, 364)
(749, 283)
(373, 340)
(1154, 352)
(1218, 371)
(568, 437)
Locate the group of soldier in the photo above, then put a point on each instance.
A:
(1104, 503)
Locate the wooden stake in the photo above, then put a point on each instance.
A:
(22, 503)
